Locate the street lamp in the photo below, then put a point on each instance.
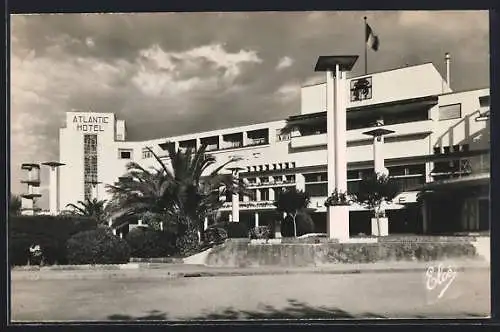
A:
(378, 143)
(336, 68)
(380, 226)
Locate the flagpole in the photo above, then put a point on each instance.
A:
(366, 53)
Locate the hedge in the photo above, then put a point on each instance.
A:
(149, 243)
(97, 246)
(50, 232)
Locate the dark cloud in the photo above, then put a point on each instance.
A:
(93, 61)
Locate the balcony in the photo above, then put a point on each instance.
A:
(401, 129)
(257, 137)
(298, 142)
(461, 167)
(212, 143)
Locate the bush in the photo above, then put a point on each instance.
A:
(149, 243)
(304, 222)
(213, 235)
(50, 232)
(188, 243)
(98, 246)
(236, 230)
(260, 232)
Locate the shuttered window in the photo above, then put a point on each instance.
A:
(449, 112)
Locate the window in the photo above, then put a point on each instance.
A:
(437, 150)
(353, 175)
(125, 153)
(146, 154)
(89, 164)
(316, 177)
(396, 170)
(450, 112)
(280, 136)
(317, 189)
(264, 194)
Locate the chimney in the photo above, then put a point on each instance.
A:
(447, 61)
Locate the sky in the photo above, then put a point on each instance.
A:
(167, 74)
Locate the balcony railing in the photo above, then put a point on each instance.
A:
(251, 205)
(401, 129)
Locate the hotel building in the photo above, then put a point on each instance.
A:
(439, 144)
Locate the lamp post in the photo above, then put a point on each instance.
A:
(378, 144)
(54, 186)
(380, 225)
(336, 68)
(235, 202)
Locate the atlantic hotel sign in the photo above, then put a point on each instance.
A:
(90, 123)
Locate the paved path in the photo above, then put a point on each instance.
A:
(141, 295)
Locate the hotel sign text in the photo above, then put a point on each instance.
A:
(90, 123)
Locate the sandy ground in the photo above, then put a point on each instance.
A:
(139, 297)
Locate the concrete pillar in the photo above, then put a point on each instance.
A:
(54, 190)
(257, 195)
(256, 219)
(272, 194)
(27, 206)
(245, 138)
(338, 216)
(300, 182)
(340, 120)
(378, 154)
(235, 207)
(205, 223)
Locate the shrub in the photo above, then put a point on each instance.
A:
(98, 246)
(50, 232)
(213, 235)
(304, 222)
(150, 243)
(260, 232)
(236, 230)
(188, 242)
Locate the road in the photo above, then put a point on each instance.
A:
(139, 297)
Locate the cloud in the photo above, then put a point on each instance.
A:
(284, 62)
(206, 67)
(288, 92)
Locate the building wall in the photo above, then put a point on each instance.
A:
(305, 153)
(398, 84)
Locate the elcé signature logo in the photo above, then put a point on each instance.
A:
(438, 276)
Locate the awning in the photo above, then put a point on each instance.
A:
(482, 179)
(398, 105)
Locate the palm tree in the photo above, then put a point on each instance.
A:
(178, 191)
(93, 208)
(15, 205)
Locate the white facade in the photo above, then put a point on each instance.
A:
(412, 101)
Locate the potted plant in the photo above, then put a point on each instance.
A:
(337, 198)
(338, 209)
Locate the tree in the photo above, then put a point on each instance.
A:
(93, 208)
(291, 202)
(179, 191)
(15, 205)
(375, 190)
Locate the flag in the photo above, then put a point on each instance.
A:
(371, 39)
